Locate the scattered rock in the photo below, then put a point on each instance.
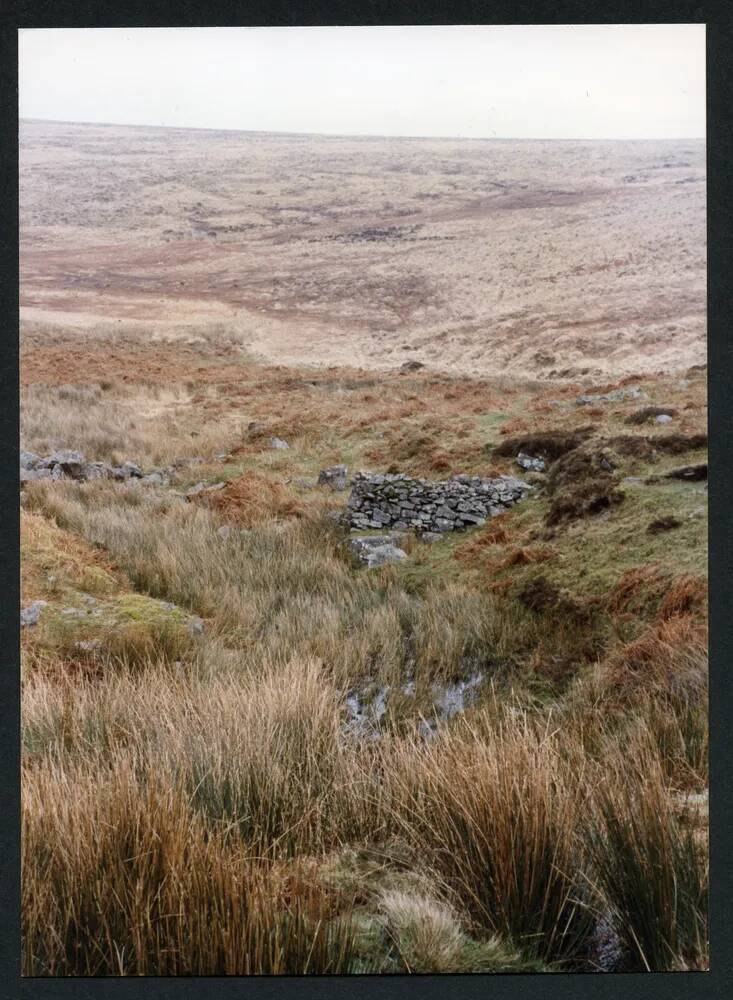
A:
(203, 488)
(530, 464)
(195, 490)
(70, 463)
(31, 614)
(88, 645)
(278, 444)
(128, 470)
(384, 554)
(29, 460)
(195, 626)
(615, 396)
(335, 477)
(430, 537)
(647, 413)
(411, 366)
(224, 532)
(67, 464)
(376, 550)
(663, 418)
(29, 475)
(98, 470)
(155, 479)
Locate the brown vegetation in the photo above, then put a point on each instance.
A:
(194, 805)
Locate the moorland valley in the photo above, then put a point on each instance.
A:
(364, 565)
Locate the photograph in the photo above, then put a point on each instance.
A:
(363, 472)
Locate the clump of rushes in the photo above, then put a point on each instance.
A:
(499, 816)
(127, 881)
(651, 869)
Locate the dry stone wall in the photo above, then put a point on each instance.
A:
(400, 502)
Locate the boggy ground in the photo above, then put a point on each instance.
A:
(193, 803)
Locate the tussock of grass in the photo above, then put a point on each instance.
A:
(253, 498)
(651, 871)
(669, 658)
(129, 882)
(427, 937)
(500, 819)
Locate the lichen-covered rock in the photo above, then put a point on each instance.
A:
(529, 463)
(383, 501)
(29, 460)
(615, 396)
(31, 475)
(204, 488)
(31, 614)
(128, 470)
(70, 463)
(335, 477)
(67, 464)
(377, 550)
(155, 479)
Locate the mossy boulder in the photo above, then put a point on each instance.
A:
(130, 628)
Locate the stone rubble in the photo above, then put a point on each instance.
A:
(377, 550)
(335, 477)
(400, 502)
(203, 487)
(530, 464)
(66, 464)
(31, 614)
(616, 396)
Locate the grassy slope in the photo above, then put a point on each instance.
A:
(618, 651)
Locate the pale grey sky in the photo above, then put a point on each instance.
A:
(514, 81)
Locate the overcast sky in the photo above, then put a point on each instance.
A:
(574, 81)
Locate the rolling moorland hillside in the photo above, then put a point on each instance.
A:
(268, 726)
(537, 258)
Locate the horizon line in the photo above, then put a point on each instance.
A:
(361, 135)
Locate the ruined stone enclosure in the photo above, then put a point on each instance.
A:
(398, 501)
